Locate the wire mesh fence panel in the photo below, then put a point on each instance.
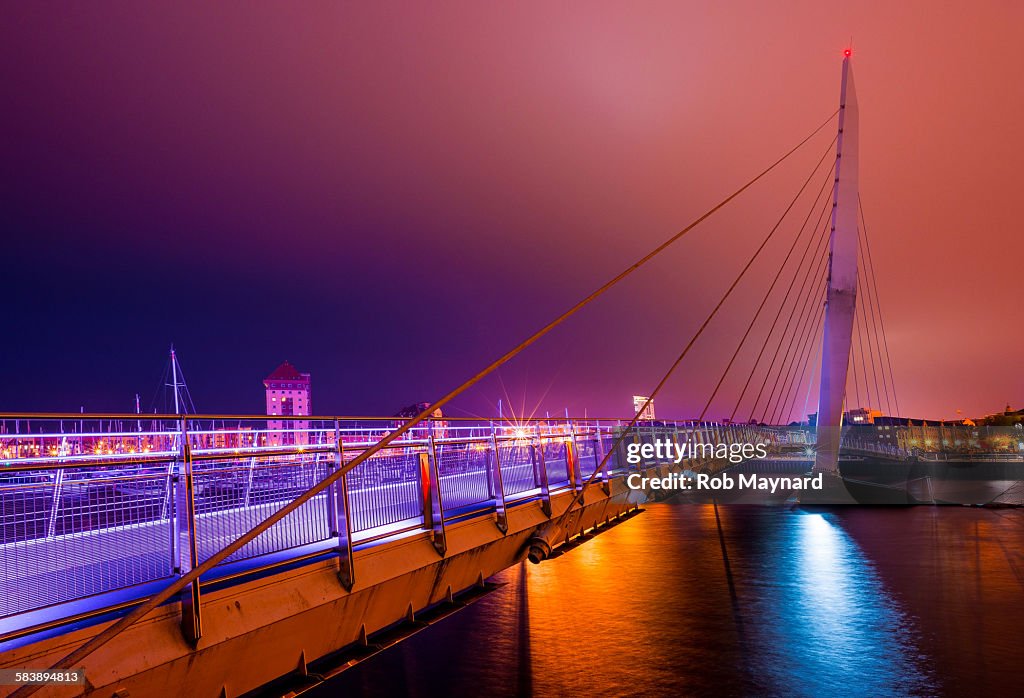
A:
(462, 471)
(384, 491)
(617, 446)
(65, 535)
(555, 461)
(586, 455)
(233, 497)
(26, 504)
(99, 513)
(224, 485)
(517, 468)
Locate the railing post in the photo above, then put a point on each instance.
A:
(488, 470)
(58, 482)
(185, 533)
(167, 509)
(704, 439)
(339, 514)
(494, 470)
(599, 458)
(572, 460)
(433, 510)
(540, 471)
(249, 480)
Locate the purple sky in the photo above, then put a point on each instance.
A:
(391, 194)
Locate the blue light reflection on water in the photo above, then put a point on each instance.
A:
(824, 621)
(753, 601)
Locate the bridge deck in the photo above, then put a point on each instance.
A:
(77, 547)
(94, 521)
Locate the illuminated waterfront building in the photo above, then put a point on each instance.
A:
(648, 414)
(288, 394)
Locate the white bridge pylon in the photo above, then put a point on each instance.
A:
(841, 296)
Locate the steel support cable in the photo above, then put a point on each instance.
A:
(193, 575)
(700, 420)
(801, 314)
(878, 302)
(784, 355)
(789, 362)
(853, 365)
(789, 402)
(792, 372)
(793, 358)
(785, 297)
(807, 313)
(811, 358)
(797, 299)
(815, 365)
(871, 353)
(859, 322)
(664, 379)
(881, 320)
(871, 329)
(782, 266)
(867, 333)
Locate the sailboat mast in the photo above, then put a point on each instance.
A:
(174, 380)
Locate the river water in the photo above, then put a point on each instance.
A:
(689, 599)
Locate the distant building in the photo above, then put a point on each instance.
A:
(861, 415)
(288, 393)
(857, 416)
(436, 418)
(415, 409)
(1006, 418)
(648, 414)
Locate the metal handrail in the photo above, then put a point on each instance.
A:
(157, 473)
(272, 474)
(137, 416)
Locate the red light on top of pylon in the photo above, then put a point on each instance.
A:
(848, 52)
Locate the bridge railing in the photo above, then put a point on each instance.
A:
(94, 511)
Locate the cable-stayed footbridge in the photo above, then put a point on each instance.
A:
(220, 552)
